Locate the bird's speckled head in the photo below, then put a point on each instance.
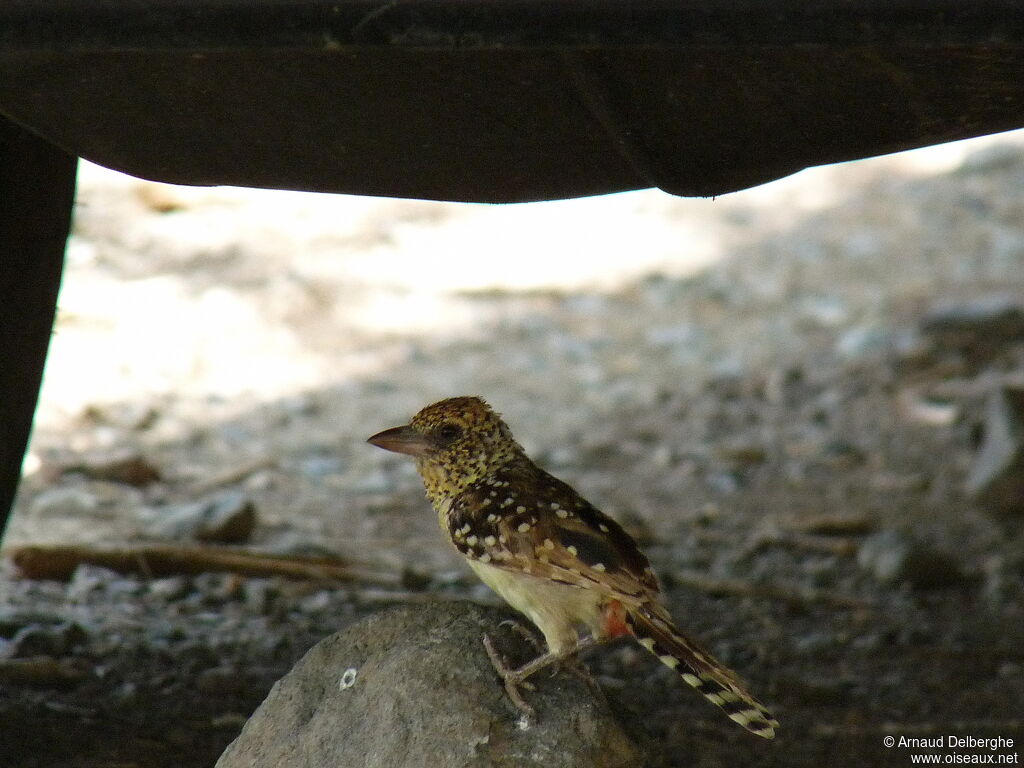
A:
(456, 442)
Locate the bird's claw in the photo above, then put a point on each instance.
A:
(579, 670)
(512, 678)
(524, 633)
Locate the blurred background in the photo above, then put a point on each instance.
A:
(781, 392)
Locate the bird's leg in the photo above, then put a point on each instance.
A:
(514, 678)
(508, 675)
(574, 665)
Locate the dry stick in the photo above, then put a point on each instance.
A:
(155, 560)
(38, 670)
(827, 524)
(773, 536)
(843, 547)
(233, 475)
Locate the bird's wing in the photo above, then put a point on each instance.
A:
(531, 522)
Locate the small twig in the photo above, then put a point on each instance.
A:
(791, 596)
(233, 475)
(833, 546)
(143, 566)
(156, 560)
(38, 670)
(833, 525)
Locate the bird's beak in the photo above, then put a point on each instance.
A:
(403, 439)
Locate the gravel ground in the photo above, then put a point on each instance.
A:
(749, 384)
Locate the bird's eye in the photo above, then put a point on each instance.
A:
(448, 433)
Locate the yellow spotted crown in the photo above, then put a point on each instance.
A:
(469, 441)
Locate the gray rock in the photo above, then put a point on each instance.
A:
(996, 479)
(65, 503)
(894, 557)
(318, 466)
(993, 159)
(170, 588)
(413, 687)
(42, 640)
(124, 467)
(214, 589)
(375, 481)
(870, 340)
(130, 416)
(299, 544)
(226, 518)
(258, 594)
(979, 329)
(997, 315)
(89, 579)
(1003, 581)
(13, 619)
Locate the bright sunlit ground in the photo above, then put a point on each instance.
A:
(143, 310)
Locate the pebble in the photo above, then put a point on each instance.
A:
(862, 341)
(170, 588)
(236, 434)
(893, 557)
(89, 579)
(258, 595)
(226, 518)
(993, 159)
(828, 311)
(842, 454)
(130, 416)
(682, 335)
(725, 483)
(214, 589)
(14, 619)
(125, 468)
(317, 603)
(740, 452)
(991, 316)
(299, 544)
(814, 643)
(126, 694)
(64, 502)
(300, 405)
(1003, 581)
(996, 478)
(47, 640)
(376, 481)
(318, 466)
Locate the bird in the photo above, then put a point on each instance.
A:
(550, 554)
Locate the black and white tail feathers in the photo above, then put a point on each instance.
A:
(652, 627)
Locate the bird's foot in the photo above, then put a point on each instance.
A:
(513, 679)
(525, 633)
(578, 669)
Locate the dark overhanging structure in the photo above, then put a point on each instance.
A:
(468, 100)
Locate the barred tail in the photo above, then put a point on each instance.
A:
(651, 626)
